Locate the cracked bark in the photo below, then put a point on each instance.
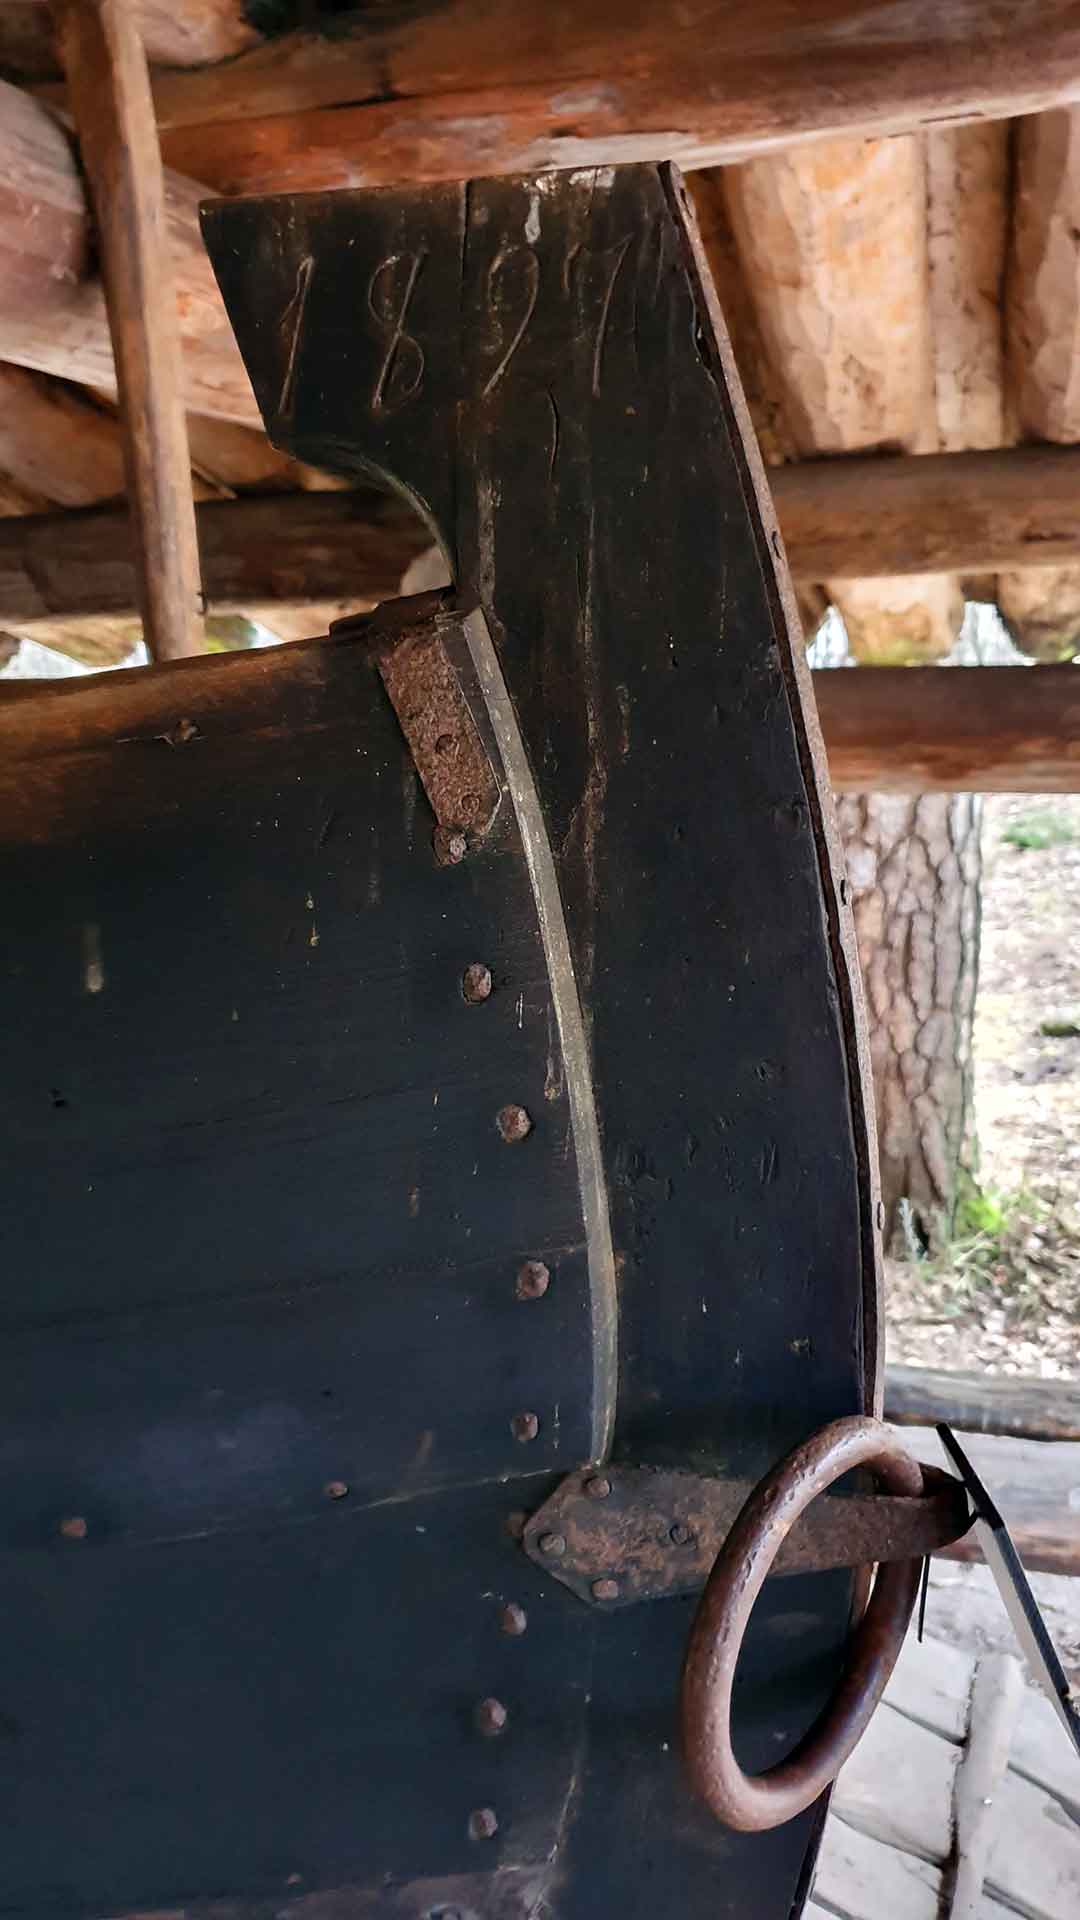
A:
(913, 868)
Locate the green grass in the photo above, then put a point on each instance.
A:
(1003, 1249)
(1034, 832)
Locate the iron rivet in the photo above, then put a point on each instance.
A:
(598, 1487)
(483, 1823)
(553, 1543)
(491, 1718)
(476, 983)
(679, 1535)
(336, 1489)
(513, 1620)
(605, 1589)
(450, 848)
(444, 743)
(513, 1123)
(533, 1280)
(468, 806)
(74, 1527)
(524, 1426)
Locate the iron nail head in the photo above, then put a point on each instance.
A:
(533, 1280)
(605, 1589)
(491, 1718)
(483, 1823)
(524, 1427)
(513, 1123)
(476, 983)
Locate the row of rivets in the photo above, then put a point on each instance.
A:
(491, 1718)
(514, 1123)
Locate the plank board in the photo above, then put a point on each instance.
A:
(861, 1878)
(1035, 1483)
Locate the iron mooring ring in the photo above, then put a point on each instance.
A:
(753, 1804)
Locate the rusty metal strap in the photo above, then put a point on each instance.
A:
(417, 645)
(618, 1535)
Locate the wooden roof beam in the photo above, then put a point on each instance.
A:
(442, 92)
(858, 517)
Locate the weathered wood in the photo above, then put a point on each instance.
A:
(273, 549)
(832, 238)
(931, 1684)
(983, 1403)
(242, 459)
(853, 517)
(996, 1699)
(1042, 312)
(178, 33)
(1035, 1483)
(956, 512)
(55, 444)
(52, 305)
(952, 729)
(862, 1878)
(452, 89)
(110, 95)
(897, 1788)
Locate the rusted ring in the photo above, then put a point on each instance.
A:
(740, 1569)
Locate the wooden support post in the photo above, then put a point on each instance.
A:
(110, 94)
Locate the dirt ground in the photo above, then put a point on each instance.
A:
(1006, 1296)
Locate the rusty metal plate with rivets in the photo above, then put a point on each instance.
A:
(620, 1536)
(420, 648)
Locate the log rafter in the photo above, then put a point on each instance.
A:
(857, 517)
(453, 89)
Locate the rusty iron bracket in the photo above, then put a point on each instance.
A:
(420, 649)
(619, 1535)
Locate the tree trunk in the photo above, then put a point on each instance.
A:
(913, 867)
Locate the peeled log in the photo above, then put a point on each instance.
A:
(967, 179)
(238, 458)
(52, 308)
(761, 388)
(832, 238)
(967, 201)
(1043, 318)
(442, 92)
(894, 621)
